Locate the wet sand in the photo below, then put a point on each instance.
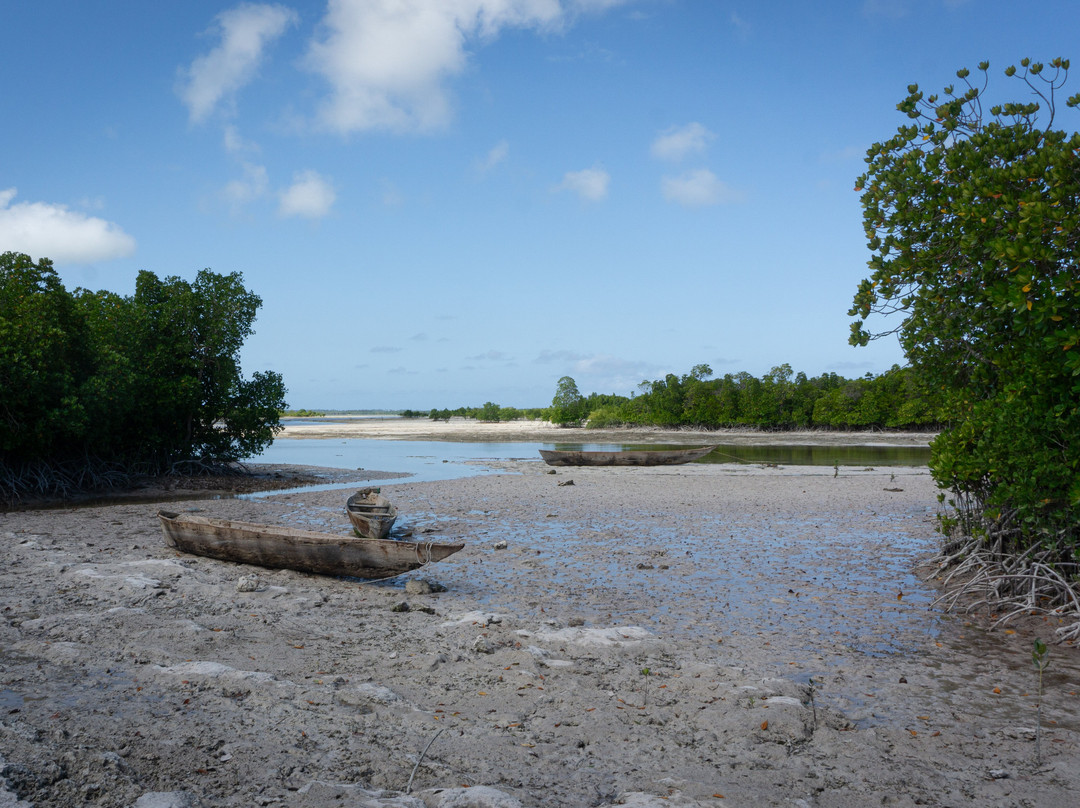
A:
(703, 635)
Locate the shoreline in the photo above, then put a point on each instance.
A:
(462, 429)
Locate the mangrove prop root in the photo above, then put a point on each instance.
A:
(1034, 581)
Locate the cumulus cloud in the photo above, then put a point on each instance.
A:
(678, 142)
(244, 32)
(43, 230)
(310, 196)
(698, 188)
(387, 61)
(590, 183)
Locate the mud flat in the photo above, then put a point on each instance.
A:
(704, 635)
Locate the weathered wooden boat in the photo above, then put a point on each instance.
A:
(371, 513)
(294, 549)
(644, 457)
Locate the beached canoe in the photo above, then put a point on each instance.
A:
(371, 513)
(294, 549)
(645, 457)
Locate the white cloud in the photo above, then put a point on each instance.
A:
(253, 186)
(697, 189)
(676, 143)
(235, 144)
(498, 154)
(43, 230)
(387, 60)
(310, 196)
(590, 183)
(245, 31)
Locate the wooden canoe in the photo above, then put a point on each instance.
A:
(294, 549)
(371, 513)
(645, 457)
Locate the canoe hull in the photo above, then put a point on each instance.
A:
(648, 457)
(301, 550)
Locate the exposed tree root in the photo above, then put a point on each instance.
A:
(66, 480)
(1036, 581)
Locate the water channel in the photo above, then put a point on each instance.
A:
(430, 460)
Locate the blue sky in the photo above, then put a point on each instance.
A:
(447, 202)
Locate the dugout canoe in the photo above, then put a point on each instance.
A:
(295, 549)
(644, 457)
(371, 513)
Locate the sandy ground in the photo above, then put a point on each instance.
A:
(704, 635)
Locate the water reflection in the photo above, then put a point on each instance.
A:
(784, 455)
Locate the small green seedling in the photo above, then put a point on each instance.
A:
(645, 672)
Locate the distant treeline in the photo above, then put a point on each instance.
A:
(489, 412)
(779, 400)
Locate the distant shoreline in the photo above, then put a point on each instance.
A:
(465, 429)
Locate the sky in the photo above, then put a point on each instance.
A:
(443, 203)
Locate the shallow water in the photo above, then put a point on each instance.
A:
(431, 461)
(426, 459)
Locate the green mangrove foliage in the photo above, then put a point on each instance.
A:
(568, 405)
(973, 215)
(95, 386)
(972, 212)
(780, 400)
